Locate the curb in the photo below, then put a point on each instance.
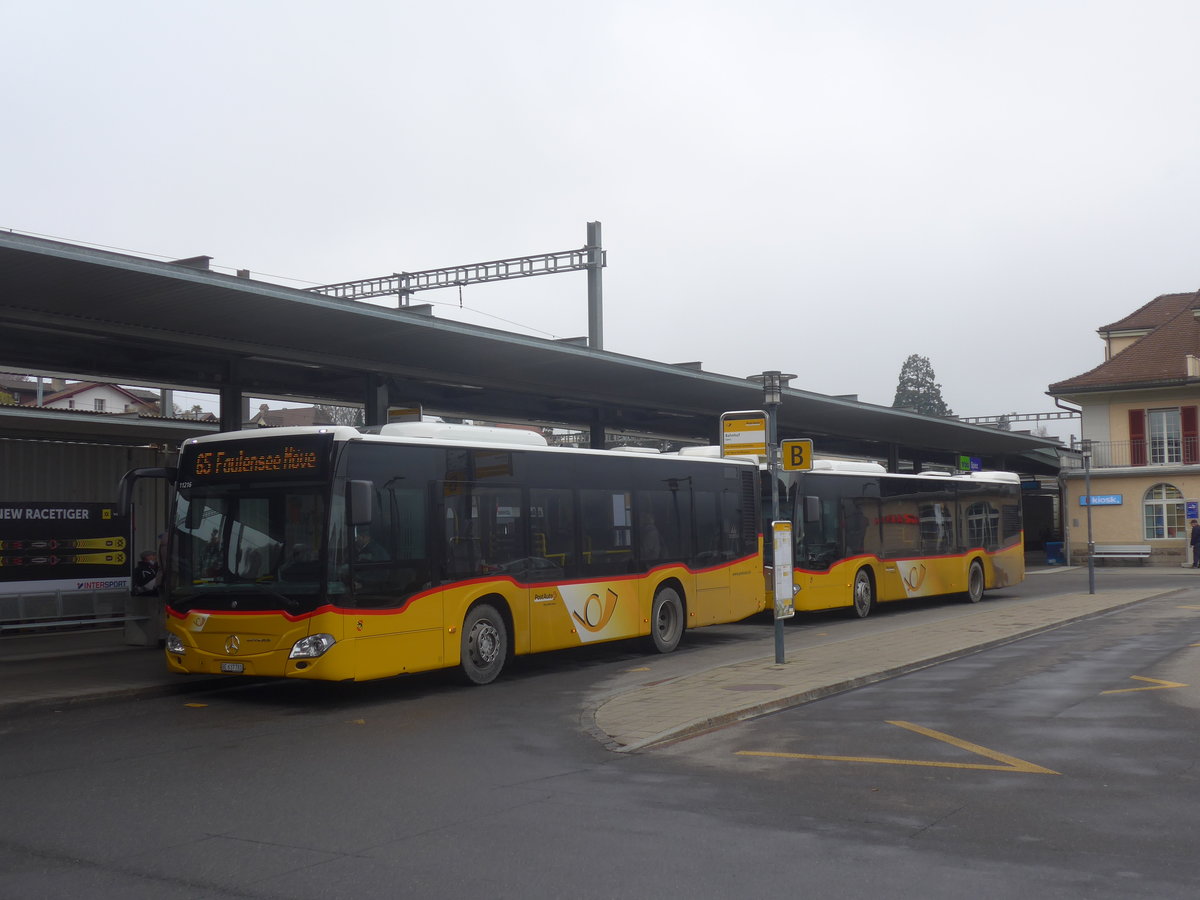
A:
(714, 723)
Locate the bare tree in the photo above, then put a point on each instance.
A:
(342, 415)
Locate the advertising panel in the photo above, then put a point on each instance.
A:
(56, 546)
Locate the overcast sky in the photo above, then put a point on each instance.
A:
(818, 187)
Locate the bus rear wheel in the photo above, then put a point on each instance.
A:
(666, 620)
(864, 593)
(484, 644)
(975, 582)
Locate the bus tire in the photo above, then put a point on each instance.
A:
(484, 644)
(666, 619)
(864, 593)
(975, 581)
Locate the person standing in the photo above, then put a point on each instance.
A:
(1195, 542)
(146, 575)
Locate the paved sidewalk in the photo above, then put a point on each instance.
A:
(54, 671)
(693, 703)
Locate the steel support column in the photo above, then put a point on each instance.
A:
(233, 407)
(595, 287)
(376, 399)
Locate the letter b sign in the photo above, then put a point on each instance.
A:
(796, 455)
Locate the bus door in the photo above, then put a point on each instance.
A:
(717, 523)
(394, 601)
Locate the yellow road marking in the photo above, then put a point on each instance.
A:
(195, 705)
(1009, 763)
(1156, 684)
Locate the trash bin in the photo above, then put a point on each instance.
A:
(1054, 553)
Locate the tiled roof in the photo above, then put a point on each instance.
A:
(300, 415)
(1155, 313)
(1159, 358)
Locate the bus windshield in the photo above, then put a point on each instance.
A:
(249, 548)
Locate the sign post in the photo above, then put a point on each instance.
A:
(1087, 490)
(773, 383)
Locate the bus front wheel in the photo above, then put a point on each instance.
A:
(864, 593)
(975, 582)
(484, 644)
(666, 620)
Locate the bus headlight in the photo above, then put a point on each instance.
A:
(312, 646)
(174, 644)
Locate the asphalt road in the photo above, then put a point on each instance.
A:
(421, 788)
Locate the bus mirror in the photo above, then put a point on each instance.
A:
(132, 477)
(812, 509)
(361, 494)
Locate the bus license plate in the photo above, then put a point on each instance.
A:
(233, 668)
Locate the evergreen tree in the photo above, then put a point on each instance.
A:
(1004, 423)
(917, 391)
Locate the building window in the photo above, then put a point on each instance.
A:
(1165, 436)
(98, 404)
(1163, 513)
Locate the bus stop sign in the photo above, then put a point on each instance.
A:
(797, 455)
(744, 433)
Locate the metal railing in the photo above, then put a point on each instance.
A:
(1175, 451)
(56, 610)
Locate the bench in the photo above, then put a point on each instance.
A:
(1122, 551)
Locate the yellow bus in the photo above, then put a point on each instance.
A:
(864, 536)
(350, 554)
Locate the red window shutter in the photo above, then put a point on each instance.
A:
(1188, 424)
(1137, 437)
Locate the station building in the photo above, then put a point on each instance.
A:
(1139, 469)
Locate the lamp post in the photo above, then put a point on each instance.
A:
(773, 382)
(1085, 447)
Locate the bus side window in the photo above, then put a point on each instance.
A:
(552, 531)
(607, 526)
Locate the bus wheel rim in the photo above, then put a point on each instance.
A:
(485, 642)
(862, 592)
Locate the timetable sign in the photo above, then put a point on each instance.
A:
(744, 434)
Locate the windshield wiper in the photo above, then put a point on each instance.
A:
(185, 603)
(289, 602)
(232, 590)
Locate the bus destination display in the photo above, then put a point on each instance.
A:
(273, 458)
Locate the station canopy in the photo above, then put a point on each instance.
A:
(99, 315)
